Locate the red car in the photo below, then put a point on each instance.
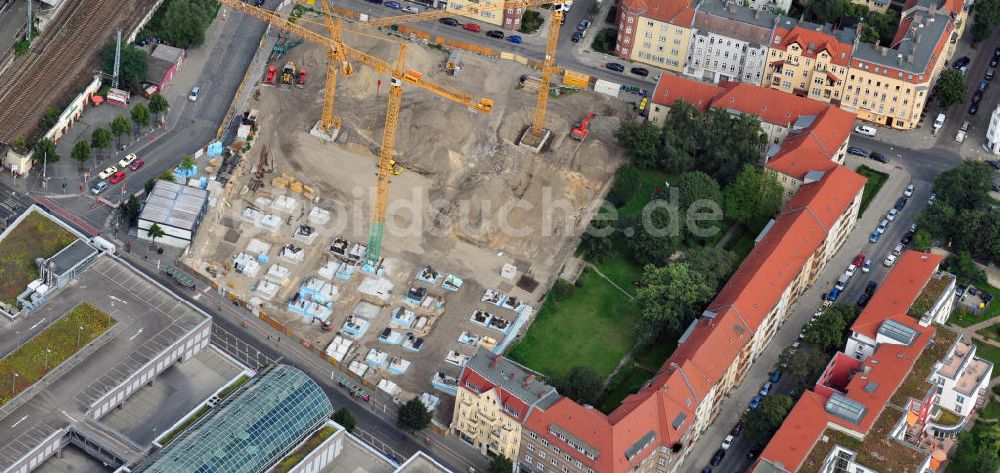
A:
(117, 177)
(136, 164)
(859, 260)
(473, 27)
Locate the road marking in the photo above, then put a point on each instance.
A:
(137, 332)
(67, 415)
(18, 422)
(117, 299)
(37, 324)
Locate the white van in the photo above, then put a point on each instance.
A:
(103, 244)
(864, 130)
(939, 122)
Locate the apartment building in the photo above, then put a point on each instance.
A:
(654, 429)
(487, 11)
(880, 6)
(655, 32)
(729, 42)
(494, 396)
(992, 143)
(809, 60)
(888, 409)
(890, 85)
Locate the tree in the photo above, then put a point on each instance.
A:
(157, 105)
(187, 162)
(81, 152)
(922, 240)
(155, 232)
(936, 220)
(827, 331)
(729, 143)
(596, 242)
(581, 384)
(805, 364)
(964, 268)
(150, 183)
(130, 210)
(413, 416)
(697, 192)
(986, 18)
(965, 187)
(753, 198)
(641, 142)
(345, 417)
(45, 151)
(681, 137)
(652, 236)
(669, 298)
(101, 138)
(761, 423)
(133, 66)
(625, 185)
(950, 88)
(714, 264)
(140, 116)
(120, 126)
(501, 464)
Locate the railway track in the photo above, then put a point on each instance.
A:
(56, 63)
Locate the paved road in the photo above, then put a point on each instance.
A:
(918, 167)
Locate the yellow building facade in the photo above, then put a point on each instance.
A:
(661, 44)
(807, 62)
(480, 422)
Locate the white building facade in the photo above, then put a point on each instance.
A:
(729, 43)
(992, 143)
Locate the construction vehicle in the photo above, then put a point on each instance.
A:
(271, 73)
(454, 63)
(282, 46)
(581, 131)
(288, 73)
(396, 168)
(398, 75)
(301, 82)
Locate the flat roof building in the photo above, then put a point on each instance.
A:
(176, 209)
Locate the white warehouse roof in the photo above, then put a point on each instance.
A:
(175, 205)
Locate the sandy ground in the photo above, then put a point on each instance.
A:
(460, 168)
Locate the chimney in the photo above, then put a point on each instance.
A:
(885, 51)
(493, 363)
(756, 14)
(527, 380)
(909, 58)
(899, 59)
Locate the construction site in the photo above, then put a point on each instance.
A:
(475, 230)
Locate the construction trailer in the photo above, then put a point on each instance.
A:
(454, 63)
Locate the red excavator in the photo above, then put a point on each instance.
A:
(580, 132)
(271, 73)
(302, 79)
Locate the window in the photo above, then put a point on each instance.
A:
(567, 457)
(527, 459)
(533, 435)
(556, 449)
(565, 470)
(554, 462)
(662, 461)
(531, 448)
(540, 466)
(541, 454)
(649, 23)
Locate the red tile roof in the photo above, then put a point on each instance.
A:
(799, 432)
(840, 53)
(830, 196)
(672, 88)
(675, 12)
(900, 288)
(801, 154)
(506, 398)
(772, 106)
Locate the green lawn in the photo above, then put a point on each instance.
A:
(621, 270)
(34, 237)
(742, 242)
(234, 386)
(55, 345)
(991, 410)
(963, 318)
(593, 327)
(184, 425)
(875, 181)
(308, 446)
(648, 182)
(626, 381)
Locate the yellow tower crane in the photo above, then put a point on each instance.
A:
(329, 123)
(551, 45)
(398, 75)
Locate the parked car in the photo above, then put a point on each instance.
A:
(961, 62)
(863, 300)
(393, 5)
(870, 288)
(990, 73)
(137, 165)
(913, 228)
(796, 344)
(859, 259)
(879, 157)
(766, 388)
(717, 458)
(909, 190)
(99, 187)
(728, 442)
(891, 216)
(577, 36)
(449, 21)
(959, 290)
(898, 249)
(874, 237)
(907, 238)
(889, 260)
(583, 25)
(977, 96)
(735, 432)
(411, 9)
(858, 151)
(707, 469)
(193, 96)
(850, 270)
(973, 109)
(117, 177)
(473, 27)
(514, 39)
(755, 402)
(930, 201)
(614, 66)
(994, 61)
(882, 226)
(867, 266)
(994, 164)
(983, 85)
(864, 130)
(107, 172)
(900, 203)
(128, 159)
(495, 34)
(640, 71)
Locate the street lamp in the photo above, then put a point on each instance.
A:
(47, 351)
(79, 334)
(13, 384)
(18, 332)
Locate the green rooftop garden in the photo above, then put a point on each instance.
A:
(40, 355)
(915, 385)
(929, 295)
(184, 425)
(36, 236)
(878, 451)
(947, 418)
(300, 453)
